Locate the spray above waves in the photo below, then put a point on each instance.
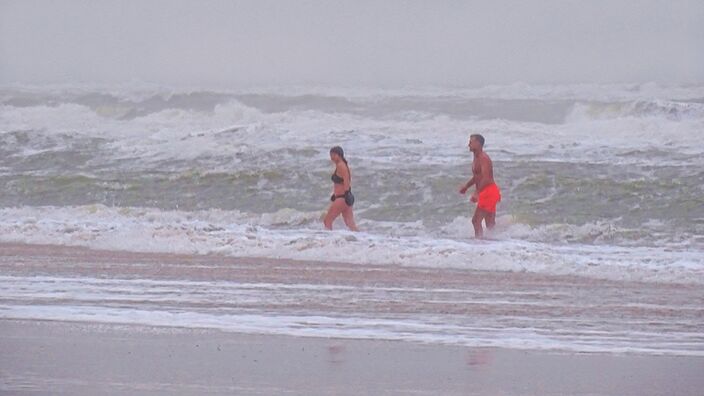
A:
(138, 92)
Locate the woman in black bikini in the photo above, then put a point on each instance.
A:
(342, 198)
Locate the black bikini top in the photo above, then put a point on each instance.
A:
(337, 179)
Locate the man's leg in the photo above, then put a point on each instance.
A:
(490, 220)
(479, 215)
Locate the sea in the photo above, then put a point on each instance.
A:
(601, 184)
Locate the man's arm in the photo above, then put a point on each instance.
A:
(467, 185)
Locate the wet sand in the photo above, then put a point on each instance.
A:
(39, 357)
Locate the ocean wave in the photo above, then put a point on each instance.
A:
(233, 128)
(658, 109)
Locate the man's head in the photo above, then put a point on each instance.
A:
(476, 143)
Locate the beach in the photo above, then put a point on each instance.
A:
(171, 184)
(96, 348)
(87, 359)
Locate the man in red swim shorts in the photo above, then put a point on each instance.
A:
(487, 194)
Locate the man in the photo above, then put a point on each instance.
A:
(487, 194)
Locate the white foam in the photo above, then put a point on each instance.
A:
(241, 234)
(351, 327)
(428, 140)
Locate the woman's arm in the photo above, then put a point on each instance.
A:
(344, 172)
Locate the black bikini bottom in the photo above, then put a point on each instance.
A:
(349, 198)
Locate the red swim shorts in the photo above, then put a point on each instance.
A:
(489, 197)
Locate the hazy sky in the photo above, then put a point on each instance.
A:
(379, 42)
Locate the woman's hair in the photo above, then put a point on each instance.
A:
(338, 150)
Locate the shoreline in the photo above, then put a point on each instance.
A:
(86, 258)
(131, 357)
(514, 310)
(41, 357)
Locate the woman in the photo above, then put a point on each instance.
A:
(342, 198)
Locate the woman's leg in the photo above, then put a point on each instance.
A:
(348, 216)
(336, 207)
